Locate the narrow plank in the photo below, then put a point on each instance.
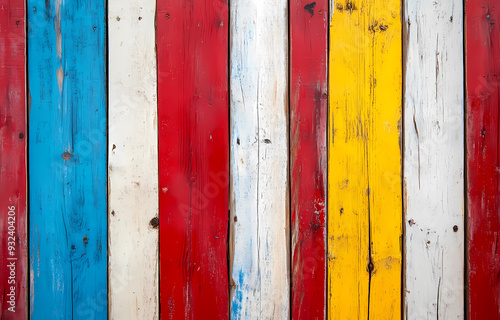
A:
(483, 157)
(364, 179)
(434, 160)
(259, 220)
(13, 241)
(67, 163)
(193, 129)
(133, 161)
(308, 160)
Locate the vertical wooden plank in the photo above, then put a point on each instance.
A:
(308, 161)
(365, 205)
(259, 222)
(13, 244)
(67, 163)
(133, 161)
(193, 157)
(483, 157)
(434, 159)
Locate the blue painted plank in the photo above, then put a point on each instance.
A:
(67, 159)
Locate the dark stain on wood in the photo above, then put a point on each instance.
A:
(67, 156)
(154, 223)
(310, 8)
(351, 6)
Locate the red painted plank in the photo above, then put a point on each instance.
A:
(193, 111)
(308, 105)
(13, 245)
(483, 155)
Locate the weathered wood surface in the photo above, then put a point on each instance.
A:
(259, 245)
(434, 159)
(483, 157)
(364, 202)
(13, 242)
(133, 161)
(67, 159)
(308, 160)
(193, 157)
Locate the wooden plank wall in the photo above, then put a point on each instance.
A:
(217, 189)
(67, 159)
(434, 159)
(259, 221)
(483, 156)
(13, 242)
(364, 162)
(308, 161)
(133, 161)
(193, 129)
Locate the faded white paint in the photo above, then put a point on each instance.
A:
(133, 161)
(259, 242)
(434, 160)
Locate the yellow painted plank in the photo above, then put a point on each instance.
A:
(364, 160)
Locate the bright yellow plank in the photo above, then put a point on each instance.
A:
(364, 161)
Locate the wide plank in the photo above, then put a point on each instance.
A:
(193, 111)
(67, 159)
(13, 241)
(364, 160)
(308, 159)
(483, 157)
(259, 223)
(434, 159)
(133, 161)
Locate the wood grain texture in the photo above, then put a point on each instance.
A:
(434, 160)
(133, 161)
(193, 129)
(483, 157)
(13, 242)
(259, 244)
(67, 164)
(364, 161)
(308, 160)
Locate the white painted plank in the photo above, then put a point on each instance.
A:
(434, 160)
(259, 160)
(133, 161)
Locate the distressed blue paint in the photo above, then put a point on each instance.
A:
(67, 159)
(259, 186)
(245, 295)
(238, 297)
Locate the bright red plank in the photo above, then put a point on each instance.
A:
(308, 103)
(483, 155)
(12, 161)
(193, 111)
